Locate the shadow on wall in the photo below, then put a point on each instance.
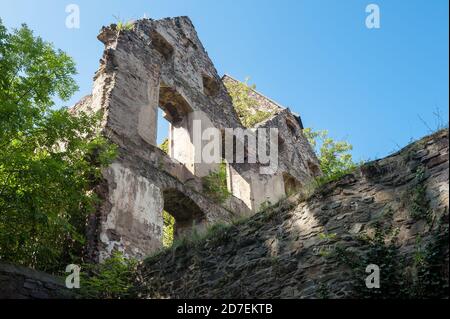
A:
(184, 210)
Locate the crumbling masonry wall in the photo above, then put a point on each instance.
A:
(162, 65)
(290, 251)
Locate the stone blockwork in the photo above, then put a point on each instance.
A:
(162, 65)
(296, 158)
(283, 252)
(18, 282)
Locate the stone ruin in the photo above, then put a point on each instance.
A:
(162, 64)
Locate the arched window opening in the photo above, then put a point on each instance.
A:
(172, 112)
(181, 215)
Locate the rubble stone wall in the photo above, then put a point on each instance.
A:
(287, 251)
(18, 282)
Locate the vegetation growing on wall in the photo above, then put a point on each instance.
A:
(49, 159)
(168, 229)
(334, 156)
(422, 276)
(215, 184)
(164, 146)
(111, 279)
(244, 104)
(416, 198)
(122, 25)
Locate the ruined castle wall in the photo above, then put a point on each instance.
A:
(162, 65)
(289, 250)
(267, 190)
(135, 193)
(182, 144)
(254, 188)
(296, 159)
(18, 282)
(240, 186)
(296, 156)
(157, 64)
(263, 103)
(129, 226)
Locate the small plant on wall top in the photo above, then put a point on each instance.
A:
(123, 25)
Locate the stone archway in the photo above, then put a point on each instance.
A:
(173, 104)
(184, 210)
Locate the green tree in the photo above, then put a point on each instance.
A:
(334, 157)
(49, 159)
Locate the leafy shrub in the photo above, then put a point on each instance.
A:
(111, 279)
(215, 184)
(423, 276)
(417, 201)
(380, 252)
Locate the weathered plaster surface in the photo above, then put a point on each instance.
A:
(161, 64)
(134, 223)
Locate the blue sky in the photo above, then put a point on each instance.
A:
(368, 86)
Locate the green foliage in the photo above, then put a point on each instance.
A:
(382, 253)
(164, 146)
(111, 279)
(430, 267)
(264, 206)
(215, 184)
(215, 233)
(417, 197)
(244, 104)
(323, 292)
(122, 25)
(334, 157)
(49, 159)
(168, 229)
(329, 236)
(255, 118)
(422, 276)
